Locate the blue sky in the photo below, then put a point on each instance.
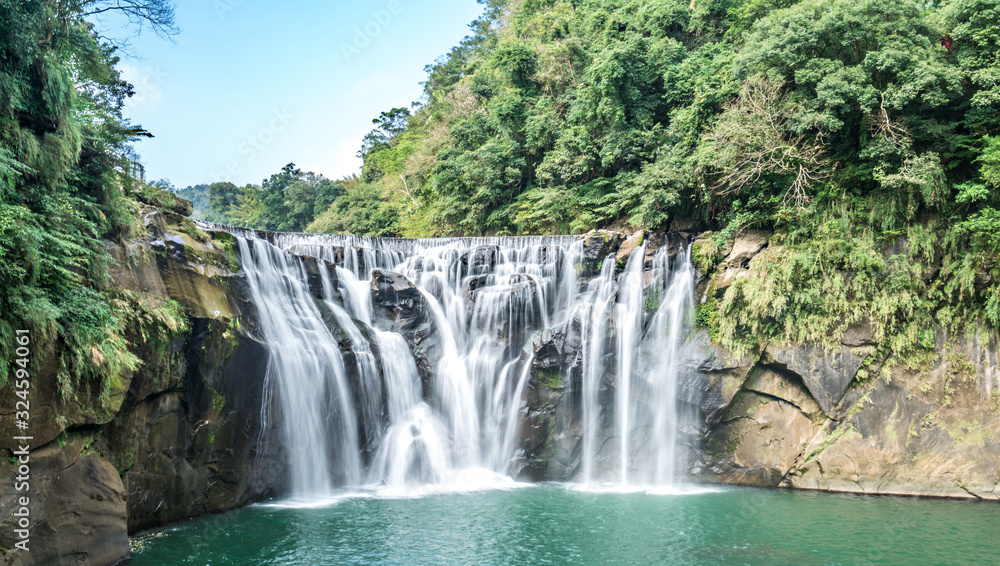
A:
(250, 85)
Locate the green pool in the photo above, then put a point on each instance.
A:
(557, 524)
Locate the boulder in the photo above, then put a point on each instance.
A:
(401, 307)
(316, 269)
(745, 246)
(628, 246)
(398, 300)
(859, 335)
(598, 245)
(685, 225)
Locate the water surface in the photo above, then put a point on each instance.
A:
(553, 524)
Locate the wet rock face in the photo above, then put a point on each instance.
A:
(480, 261)
(180, 437)
(399, 306)
(77, 508)
(550, 433)
(399, 301)
(200, 447)
(316, 269)
(597, 246)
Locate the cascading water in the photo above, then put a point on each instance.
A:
(629, 314)
(306, 369)
(486, 299)
(670, 326)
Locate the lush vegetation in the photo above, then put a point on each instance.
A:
(67, 188)
(861, 133)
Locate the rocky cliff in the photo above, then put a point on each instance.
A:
(828, 416)
(179, 437)
(185, 434)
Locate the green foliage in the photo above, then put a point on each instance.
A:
(860, 133)
(287, 201)
(66, 187)
(361, 210)
(707, 316)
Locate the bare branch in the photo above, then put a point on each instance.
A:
(880, 124)
(752, 139)
(406, 191)
(158, 14)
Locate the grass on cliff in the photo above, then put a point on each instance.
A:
(815, 280)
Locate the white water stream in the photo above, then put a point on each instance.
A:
(485, 298)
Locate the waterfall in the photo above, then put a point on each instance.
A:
(306, 369)
(629, 314)
(594, 326)
(357, 409)
(415, 445)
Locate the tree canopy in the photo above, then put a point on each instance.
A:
(842, 126)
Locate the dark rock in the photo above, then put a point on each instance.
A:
(314, 276)
(180, 436)
(76, 504)
(549, 436)
(400, 307)
(597, 246)
(686, 225)
(710, 376)
(398, 299)
(480, 261)
(825, 373)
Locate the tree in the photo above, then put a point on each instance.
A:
(248, 208)
(221, 196)
(67, 184)
(276, 214)
(752, 143)
(360, 210)
(157, 14)
(307, 197)
(388, 125)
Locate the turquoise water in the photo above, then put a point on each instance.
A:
(553, 524)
